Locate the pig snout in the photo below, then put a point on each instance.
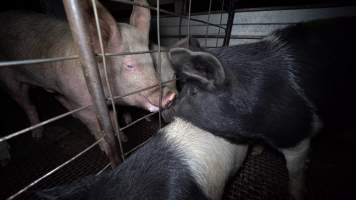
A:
(151, 101)
(168, 98)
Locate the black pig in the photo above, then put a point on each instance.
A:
(277, 90)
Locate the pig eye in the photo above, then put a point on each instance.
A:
(130, 67)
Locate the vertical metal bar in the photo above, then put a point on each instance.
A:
(80, 30)
(180, 19)
(159, 66)
(189, 15)
(111, 99)
(230, 21)
(221, 14)
(207, 27)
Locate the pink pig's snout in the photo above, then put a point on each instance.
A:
(168, 98)
(151, 103)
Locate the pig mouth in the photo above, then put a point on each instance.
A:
(147, 104)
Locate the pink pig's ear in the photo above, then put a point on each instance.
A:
(109, 30)
(140, 17)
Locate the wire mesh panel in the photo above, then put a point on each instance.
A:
(68, 155)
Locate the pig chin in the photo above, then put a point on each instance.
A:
(145, 103)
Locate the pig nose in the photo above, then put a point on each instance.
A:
(168, 98)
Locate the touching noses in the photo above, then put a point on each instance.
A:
(168, 98)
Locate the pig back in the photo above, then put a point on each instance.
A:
(28, 35)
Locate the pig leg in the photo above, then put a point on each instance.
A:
(20, 93)
(295, 158)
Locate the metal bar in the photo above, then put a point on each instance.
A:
(138, 120)
(329, 5)
(159, 66)
(220, 21)
(114, 116)
(180, 19)
(36, 61)
(131, 53)
(167, 12)
(189, 18)
(229, 23)
(78, 22)
(207, 27)
(42, 123)
(221, 36)
(53, 170)
(102, 170)
(57, 59)
(143, 89)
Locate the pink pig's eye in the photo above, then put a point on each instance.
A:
(130, 66)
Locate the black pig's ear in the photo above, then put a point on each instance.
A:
(199, 66)
(188, 42)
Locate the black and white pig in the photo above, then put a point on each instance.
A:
(181, 161)
(30, 35)
(278, 90)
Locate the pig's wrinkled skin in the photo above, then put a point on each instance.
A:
(30, 36)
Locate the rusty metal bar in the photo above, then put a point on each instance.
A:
(79, 26)
(114, 114)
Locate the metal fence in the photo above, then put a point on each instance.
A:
(89, 66)
(215, 30)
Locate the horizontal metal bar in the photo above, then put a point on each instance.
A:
(214, 36)
(138, 120)
(264, 23)
(329, 5)
(42, 123)
(102, 170)
(143, 89)
(168, 12)
(131, 53)
(69, 113)
(36, 61)
(54, 170)
(48, 60)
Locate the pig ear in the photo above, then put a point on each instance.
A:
(193, 43)
(109, 30)
(199, 66)
(140, 17)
